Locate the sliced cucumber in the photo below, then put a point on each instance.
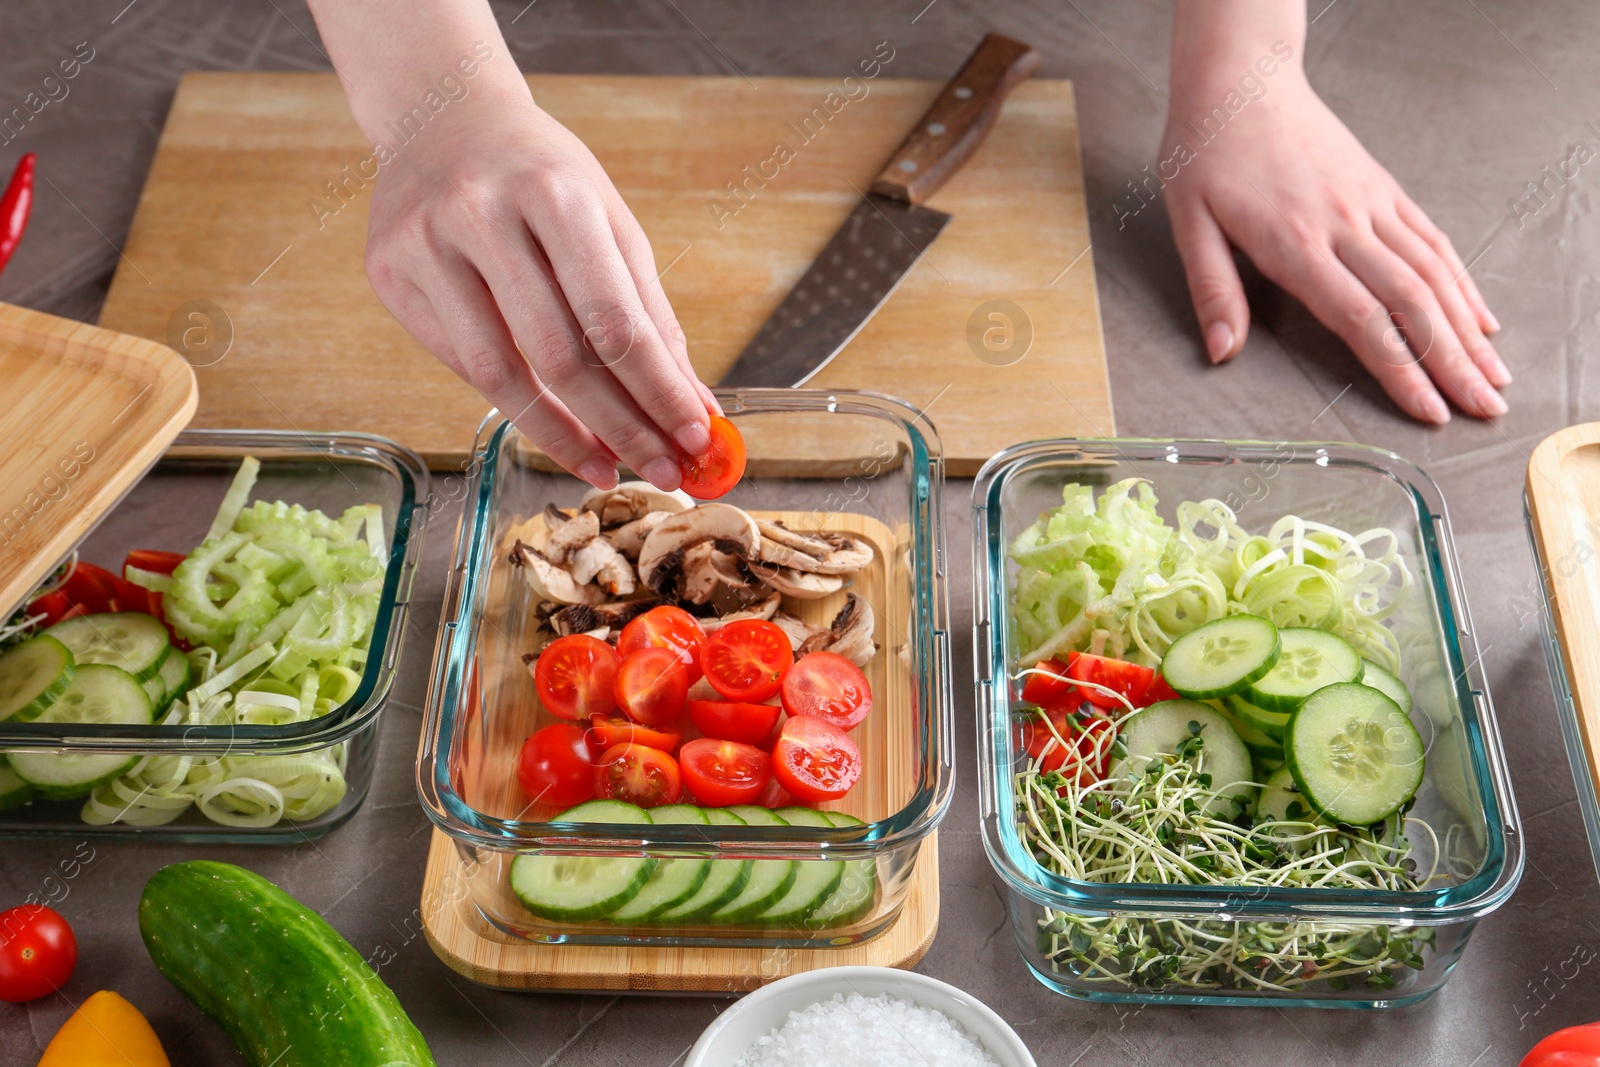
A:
(1159, 730)
(814, 880)
(576, 888)
(769, 879)
(854, 896)
(1261, 744)
(1221, 657)
(1281, 801)
(1271, 723)
(674, 880)
(725, 880)
(14, 792)
(175, 673)
(127, 639)
(1311, 659)
(32, 675)
(1384, 681)
(1354, 754)
(97, 694)
(156, 688)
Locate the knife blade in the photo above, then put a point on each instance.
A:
(888, 231)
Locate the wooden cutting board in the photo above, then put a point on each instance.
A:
(231, 260)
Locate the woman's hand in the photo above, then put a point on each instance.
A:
(1286, 182)
(507, 235)
(497, 240)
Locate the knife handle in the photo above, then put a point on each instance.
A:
(958, 120)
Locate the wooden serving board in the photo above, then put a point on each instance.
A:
(1563, 494)
(229, 216)
(86, 412)
(469, 945)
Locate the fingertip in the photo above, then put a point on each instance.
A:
(1432, 408)
(1489, 403)
(1219, 341)
(1490, 323)
(693, 437)
(662, 473)
(599, 472)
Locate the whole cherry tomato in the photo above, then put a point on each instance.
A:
(556, 765)
(38, 953)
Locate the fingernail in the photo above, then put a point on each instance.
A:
(1219, 341)
(1489, 402)
(662, 473)
(1494, 323)
(693, 438)
(599, 472)
(1498, 373)
(1433, 409)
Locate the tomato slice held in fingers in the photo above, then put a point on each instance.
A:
(556, 765)
(720, 773)
(719, 468)
(666, 627)
(652, 685)
(1129, 679)
(638, 774)
(576, 677)
(606, 731)
(827, 685)
(746, 660)
(729, 720)
(1049, 687)
(815, 760)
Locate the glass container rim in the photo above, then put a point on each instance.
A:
(451, 813)
(377, 677)
(1480, 894)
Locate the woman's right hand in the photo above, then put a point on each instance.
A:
(498, 241)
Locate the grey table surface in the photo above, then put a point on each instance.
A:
(1464, 101)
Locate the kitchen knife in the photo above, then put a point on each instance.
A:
(870, 254)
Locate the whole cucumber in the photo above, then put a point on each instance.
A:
(289, 990)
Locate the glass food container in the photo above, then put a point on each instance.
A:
(874, 468)
(1219, 944)
(326, 471)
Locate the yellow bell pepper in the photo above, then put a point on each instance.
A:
(105, 1031)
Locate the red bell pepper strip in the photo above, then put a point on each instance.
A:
(153, 560)
(1576, 1046)
(16, 204)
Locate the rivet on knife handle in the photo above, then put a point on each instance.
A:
(957, 122)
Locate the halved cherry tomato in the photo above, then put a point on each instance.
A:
(638, 774)
(1089, 738)
(154, 560)
(575, 676)
(556, 765)
(38, 953)
(815, 760)
(827, 685)
(1159, 690)
(666, 627)
(734, 721)
(720, 773)
(1049, 687)
(746, 660)
(708, 476)
(652, 685)
(606, 731)
(93, 590)
(1129, 679)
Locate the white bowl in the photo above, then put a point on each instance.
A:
(768, 1008)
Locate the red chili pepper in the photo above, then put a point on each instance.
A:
(15, 207)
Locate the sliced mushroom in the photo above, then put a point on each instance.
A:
(632, 500)
(568, 533)
(582, 618)
(550, 582)
(803, 585)
(780, 534)
(846, 554)
(629, 537)
(798, 629)
(850, 633)
(706, 569)
(600, 561)
(764, 609)
(661, 556)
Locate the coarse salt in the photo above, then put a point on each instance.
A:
(885, 1031)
